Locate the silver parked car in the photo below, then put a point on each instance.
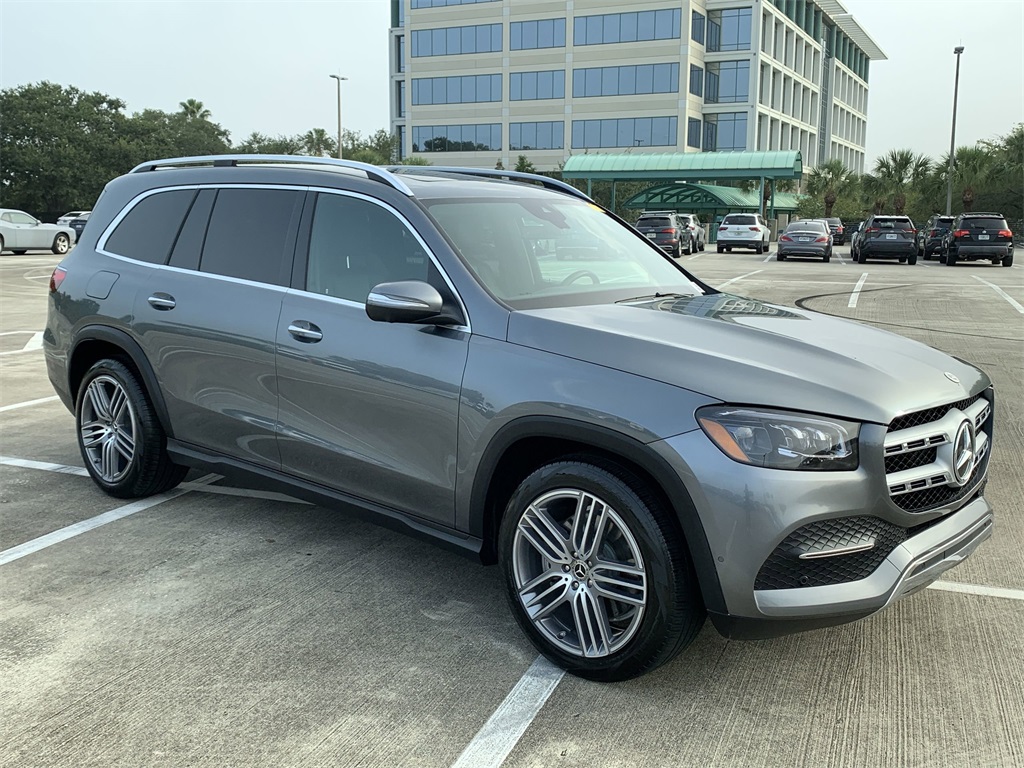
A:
(67, 218)
(635, 449)
(21, 233)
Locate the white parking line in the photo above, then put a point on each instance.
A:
(27, 403)
(1001, 292)
(975, 589)
(64, 469)
(856, 291)
(502, 731)
(737, 279)
(36, 342)
(694, 257)
(69, 532)
(767, 258)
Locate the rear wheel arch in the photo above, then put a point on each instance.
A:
(525, 444)
(93, 343)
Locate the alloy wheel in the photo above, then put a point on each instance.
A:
(109, 428)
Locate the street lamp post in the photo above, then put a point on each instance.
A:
(952, 135)
(339, 78)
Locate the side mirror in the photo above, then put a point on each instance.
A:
(406, 301)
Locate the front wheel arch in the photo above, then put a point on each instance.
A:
(523, 445)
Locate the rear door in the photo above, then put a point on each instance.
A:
(207, 319)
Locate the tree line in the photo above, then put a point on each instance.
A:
(59, 145)
(988, 176)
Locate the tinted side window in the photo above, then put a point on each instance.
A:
(355, 244)
(251, 234)
(189, 245)
(148, 231)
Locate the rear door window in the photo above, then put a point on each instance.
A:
(150, 228)
(252, 234)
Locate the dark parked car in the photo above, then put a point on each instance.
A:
(810, 237)
(930, 237)
(837, 229)
(78, 224)
(668, 230)
(887, 237)
(635, 449)
(974, 236)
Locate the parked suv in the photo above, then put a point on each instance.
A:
(835, 226)
(974, 236)
(887, 237)
(634, 448)
(743, 230)
(673, 232)
(930, 236)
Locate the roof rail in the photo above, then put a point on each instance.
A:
(493, 173)
(371, 171)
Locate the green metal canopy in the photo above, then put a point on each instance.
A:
(685, 166)
(705, 197)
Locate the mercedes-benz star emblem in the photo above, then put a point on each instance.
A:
(964, 453)
(579, 570)
(951, 377)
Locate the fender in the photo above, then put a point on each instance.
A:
(126, 343)
(616, 444)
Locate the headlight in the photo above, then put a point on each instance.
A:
(782, 440)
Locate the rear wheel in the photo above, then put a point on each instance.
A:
(689, 246)
(1008, 260)
(903, 259)
(20, 251)
(827, 257)
(597, 574)
(759, 248)
(61, 244)
(720, 249)
(779, 256)
(862, 257)
(119, 435)
(950, 259)
(912, 260)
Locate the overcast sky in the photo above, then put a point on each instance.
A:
(263, 65)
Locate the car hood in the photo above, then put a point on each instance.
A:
(742, 351)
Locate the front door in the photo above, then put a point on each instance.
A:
(368, 408)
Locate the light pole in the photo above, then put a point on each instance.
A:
(952, 135)
(339, 78)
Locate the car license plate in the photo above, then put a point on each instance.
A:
(652, 235)
(983, 237)
(890, 236)
(805, 239)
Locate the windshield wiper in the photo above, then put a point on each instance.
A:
(655, 296)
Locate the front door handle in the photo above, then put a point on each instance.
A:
(162, 301)
(303, 330)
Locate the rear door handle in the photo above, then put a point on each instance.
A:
(303, 330)
(162, 301)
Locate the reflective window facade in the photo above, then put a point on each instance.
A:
(727, 82)
(456, 138)
(525, 86)
(449, 41)
(697, 27)
(467, 89)
(725, 132)
(729, 30)
(625, 132)
(696, 80)
(627, 27)
(545, 33)
(693, 133)
(443, 3)
(622, 81)
(522, 136)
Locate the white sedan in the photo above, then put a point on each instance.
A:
(20, 233)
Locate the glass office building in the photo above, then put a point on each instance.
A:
(475, 82)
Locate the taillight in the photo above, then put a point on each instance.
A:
(723, 229)
(691, 226)
(821, 240)
(839, 230)
(934, 233)
(787, 238)
(668, 231)
(1005, 233)
(961, 233)
(872, 229)
(57, 278)
(754, 229)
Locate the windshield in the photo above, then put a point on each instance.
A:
(535, 252)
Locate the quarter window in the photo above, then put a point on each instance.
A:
(251, 234)
(355, 245)
(148, 231)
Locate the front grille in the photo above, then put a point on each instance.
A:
(930, 415)
(919, 451)
(785, 570)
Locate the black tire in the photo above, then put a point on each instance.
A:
(701, 245)
(19, 251)
(950, 259)
(61, 244)
(689, 245)
(827, 257)
(1008, 260)
(862, 257)
(759, 248)
(912, 259)
(1, 245)
(721, 249)
(903, 259)
(728, 249)
(647, 634)
(779, 256)
(114, 426)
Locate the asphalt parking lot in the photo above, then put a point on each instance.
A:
(219, 626)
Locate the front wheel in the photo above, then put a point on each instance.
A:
(121, 440)
(597, 574)
(61, 244)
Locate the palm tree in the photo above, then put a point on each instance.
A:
(901, 170)
(829, 180)
(194, 110)
(318, 143)
(875, 191)
(971, 168)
